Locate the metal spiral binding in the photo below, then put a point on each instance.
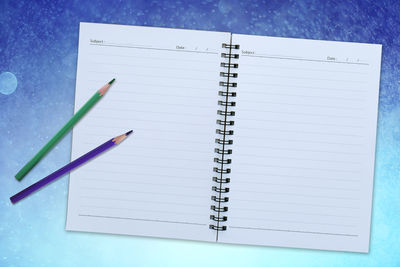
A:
(223, 140)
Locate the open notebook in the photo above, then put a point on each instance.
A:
(237, 138)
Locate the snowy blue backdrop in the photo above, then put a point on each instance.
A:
(38, 53)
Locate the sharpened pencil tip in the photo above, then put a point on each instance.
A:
(128, 133)
(110, 82)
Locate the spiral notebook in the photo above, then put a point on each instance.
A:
(237, 138)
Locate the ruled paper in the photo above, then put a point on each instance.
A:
(158, 181)
(304, 143)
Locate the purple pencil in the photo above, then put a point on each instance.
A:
(69, 167)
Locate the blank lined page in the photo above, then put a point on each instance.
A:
(158, 181)
(304, 143)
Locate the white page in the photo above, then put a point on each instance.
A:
(304, 143)
(158, 181)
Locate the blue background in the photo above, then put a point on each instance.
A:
(39, 43)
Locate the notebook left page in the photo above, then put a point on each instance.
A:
(158, 181)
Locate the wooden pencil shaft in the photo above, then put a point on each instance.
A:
(69, 167)
(57, 174)
(58, 136)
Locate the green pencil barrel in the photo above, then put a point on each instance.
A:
(58, 136)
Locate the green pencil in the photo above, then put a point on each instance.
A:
(57, 137)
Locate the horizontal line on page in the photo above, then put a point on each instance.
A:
(130, 120)
(309, 123)
(128, 44)
(295, 86)
(129, 179)
(155, 130)
(297, 167)
(297, 104)
(292, 131)
(143, 201)
(297, 113)
(151, 67)
(286, 221)
(141, 210)
(303, 158)
(160, 49)
(160, 149)
(306, 78)
(308, 141)
(291, 231)
(141, 183)
(135, 173)
(140, 192)
(294, 203)
(309, 150)
(140, 219)
(153, 139)
(156, 58)
(294, 194)
(310, 96)
(157, 112)
(313, 60)
(193, 79)
(154, 166)
(162, 103)
(247, 173)
(297, 185)
(158, 86)
(293, 212)
(173, 149)
(116, 118)
(303, 69)
(124, 155)
(189, 97)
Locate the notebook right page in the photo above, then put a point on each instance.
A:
(304, 143)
